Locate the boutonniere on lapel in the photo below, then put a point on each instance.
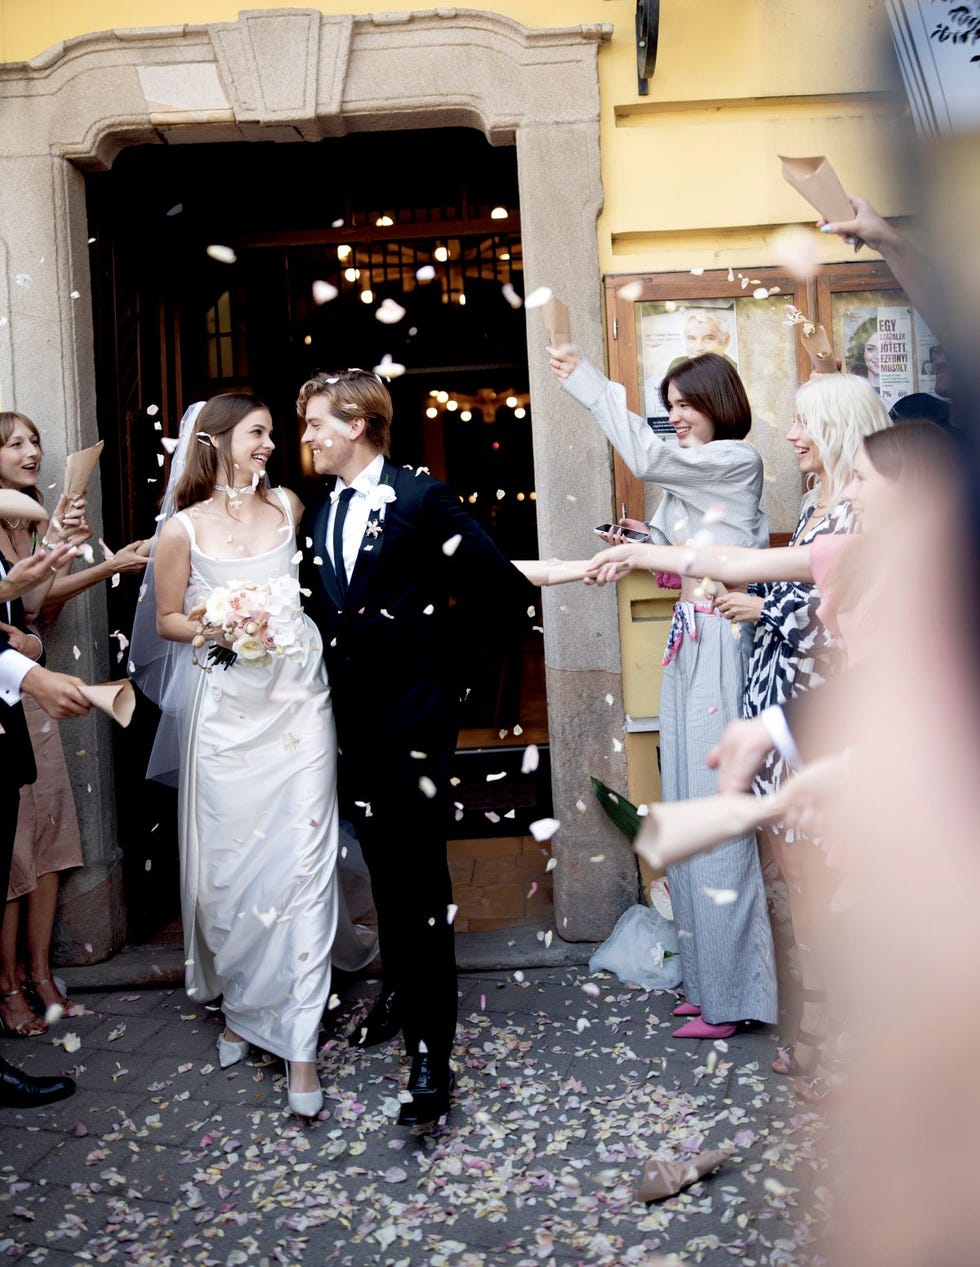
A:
(378, 499)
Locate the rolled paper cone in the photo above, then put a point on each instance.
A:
(115, 698)
(15, 505)
(559, 572)
(557, 322)
(666, 1178)
(79, 468)
(818, 348)
(819, 184)
(675, 830)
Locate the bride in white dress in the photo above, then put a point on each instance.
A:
(257, 789)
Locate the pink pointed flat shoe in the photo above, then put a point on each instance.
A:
(699, 1028)
(686, 1009)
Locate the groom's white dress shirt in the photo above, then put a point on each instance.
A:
(358, 512)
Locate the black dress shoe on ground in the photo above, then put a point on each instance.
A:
(22, 1091)
(381, 1023)
(431, 1086)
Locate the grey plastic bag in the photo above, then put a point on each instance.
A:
(641, 950)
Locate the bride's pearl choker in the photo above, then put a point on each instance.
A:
(229, 488)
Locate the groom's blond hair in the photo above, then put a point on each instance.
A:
(353, 394)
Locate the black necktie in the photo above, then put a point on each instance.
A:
(343, 501)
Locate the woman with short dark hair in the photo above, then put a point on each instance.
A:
(709, 476)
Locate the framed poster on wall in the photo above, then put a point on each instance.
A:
(654, 321)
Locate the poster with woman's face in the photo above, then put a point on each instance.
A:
(672, 332)
(886, 345)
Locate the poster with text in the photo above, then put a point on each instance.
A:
(896, 355)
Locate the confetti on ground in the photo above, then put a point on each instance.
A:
(566, 1086)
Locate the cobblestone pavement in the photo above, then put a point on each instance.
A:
(163, 1158)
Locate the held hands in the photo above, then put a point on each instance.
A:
(69, 520)
(564, 361)
(612, 565)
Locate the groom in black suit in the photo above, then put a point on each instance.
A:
(406, 589)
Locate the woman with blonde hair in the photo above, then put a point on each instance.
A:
(792, 649)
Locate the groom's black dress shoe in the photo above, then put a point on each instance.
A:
(381, 1023)
(21, 1091)
(430, 1084)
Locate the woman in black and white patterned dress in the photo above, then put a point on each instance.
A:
(793, 651)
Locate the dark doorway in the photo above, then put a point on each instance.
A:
(321, 236)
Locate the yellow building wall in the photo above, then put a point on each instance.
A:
(690, 171)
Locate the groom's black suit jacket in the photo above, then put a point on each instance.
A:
(416, 619)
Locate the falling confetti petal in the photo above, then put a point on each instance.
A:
(389, 312)
(530, 760)
(427, 787)
(323, 292)
(450, 547)
(631, 291)
(223, 254)
(511, 295)
(387, 368)
(551, 864)
(544, 828)
(720, 897)
(538, 298)
(451, 912)
(426, 273)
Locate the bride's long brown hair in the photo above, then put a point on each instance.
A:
(208, 464)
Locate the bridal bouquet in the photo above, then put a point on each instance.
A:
(259, 621)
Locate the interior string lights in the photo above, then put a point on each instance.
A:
(449, 264)
(486, 402)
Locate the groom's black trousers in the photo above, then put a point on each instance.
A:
(402, 832)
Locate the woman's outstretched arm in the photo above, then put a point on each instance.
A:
(733, 565)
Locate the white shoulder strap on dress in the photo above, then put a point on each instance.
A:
(184, 519)
(281, 494)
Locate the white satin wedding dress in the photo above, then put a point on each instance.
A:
(258, 830)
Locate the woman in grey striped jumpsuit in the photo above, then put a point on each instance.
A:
(710, 480)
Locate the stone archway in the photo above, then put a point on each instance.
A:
(291, 75)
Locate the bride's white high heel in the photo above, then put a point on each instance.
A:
(230, 1052)
(303, 1103)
